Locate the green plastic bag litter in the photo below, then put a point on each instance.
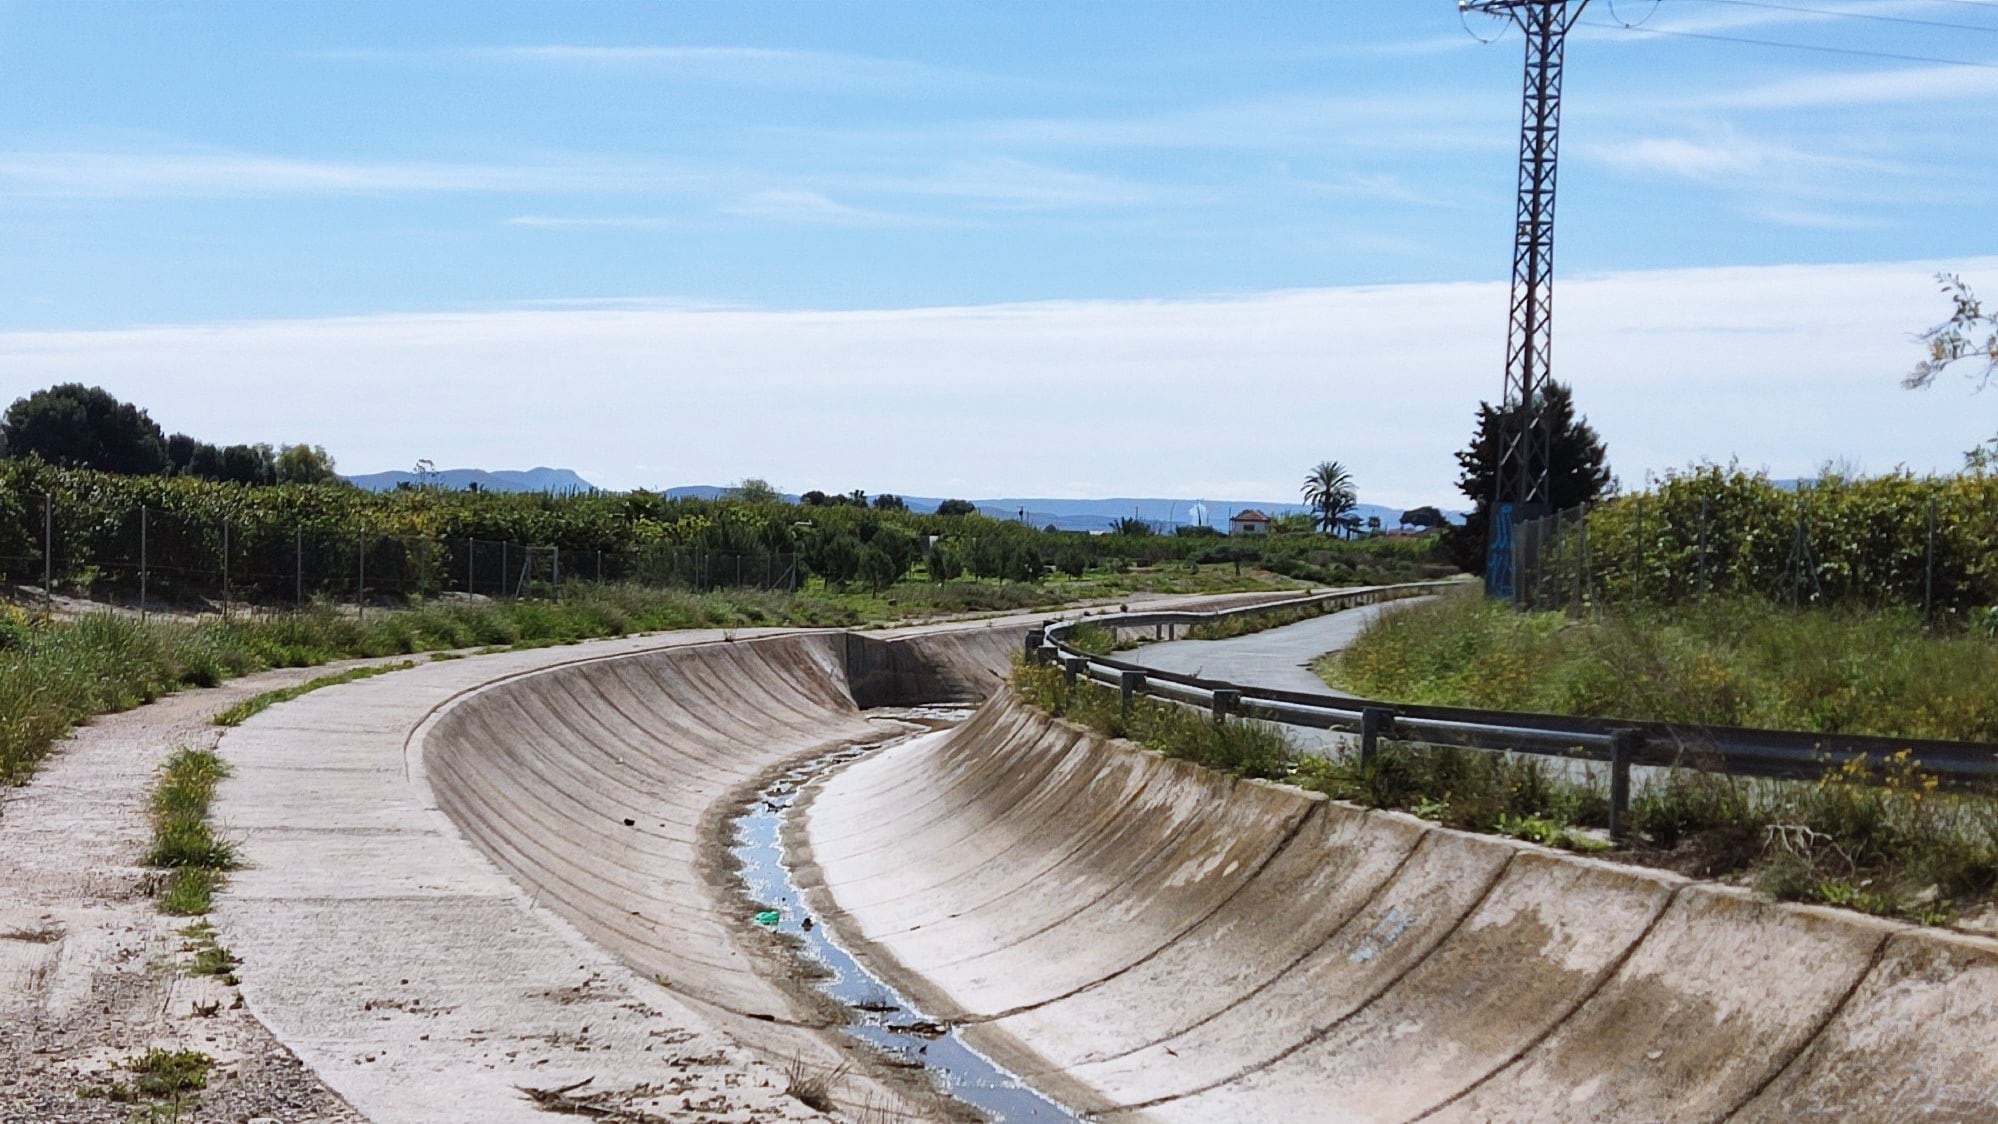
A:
(769, 917)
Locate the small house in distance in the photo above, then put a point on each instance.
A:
(1250, 522)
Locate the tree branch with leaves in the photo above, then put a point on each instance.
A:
(1970, 333)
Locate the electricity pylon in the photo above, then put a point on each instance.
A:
(1525, 442)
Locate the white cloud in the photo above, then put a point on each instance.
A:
(1783, 367)
(1723, 157)
(1948, 84)
(809, 208)
(215, 173)
(760, 67)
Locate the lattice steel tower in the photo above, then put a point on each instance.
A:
(1525, 441)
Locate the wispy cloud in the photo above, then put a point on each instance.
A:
(809, 208)
(596, 222)
(1724, 157)
(761, 67)
(781, 394)
(1008, 183)
(1392, 120)
(227, 174)
(1949, 84)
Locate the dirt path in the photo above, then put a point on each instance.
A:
(90, 974)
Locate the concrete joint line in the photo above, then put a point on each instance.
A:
(1831, 1015)
(1319, 1034)
(1401, 864)
(1595, 988)
(1290, 834)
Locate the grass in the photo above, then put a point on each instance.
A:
(1244, 748)
(1715, 663)
(257, 704)
(1882, 840)
(158, 1074)
(184, 844)
(55, 676)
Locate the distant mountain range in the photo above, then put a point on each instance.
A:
(1164, 514)
(458, 479)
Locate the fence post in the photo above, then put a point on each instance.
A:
(1226, 702)
(225, 569)
(361, 594)
(1071, 668)
(48, 554)
(600, 567)
(1129, 683)
(1581, 559)
(1929, 573)
(142, 562)
(298, 568)
(1623, 746)
(471, 567)
(1373, 720)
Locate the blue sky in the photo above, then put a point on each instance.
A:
(812, 215)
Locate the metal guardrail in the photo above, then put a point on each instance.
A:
(1778, 754)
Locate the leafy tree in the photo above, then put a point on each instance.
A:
(305, 464)
(1424, 517)
(75, 426)
(957, 507)
(1071, 561)
(1328, 492)
(836, 558)
(943, 562)
(900, 546)
(1373, 524)
(857, 498)
(755, 490)
(816, 498)
(1131, 526)
(878, 568)
(889, 502)
(1958, 338)
(1292, 523)
(248, 464)
(1578, 471)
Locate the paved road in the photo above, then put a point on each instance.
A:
(1276, 658)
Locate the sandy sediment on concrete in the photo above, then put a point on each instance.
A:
(1150, 941)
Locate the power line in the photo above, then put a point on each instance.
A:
(1814, 48)
(1841, 14)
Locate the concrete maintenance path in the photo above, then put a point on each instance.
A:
(1277, 658)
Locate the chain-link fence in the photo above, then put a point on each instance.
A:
(159, 561)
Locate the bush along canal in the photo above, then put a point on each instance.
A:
(878, 1015)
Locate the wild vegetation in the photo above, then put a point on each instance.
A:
(1835, 541)
(1733, 661)
(273, 544)
(1882, 840)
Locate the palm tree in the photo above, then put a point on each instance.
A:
(1328, 491)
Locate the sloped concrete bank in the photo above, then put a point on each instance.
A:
(608, 789)
(485, 875)
(1147, 940)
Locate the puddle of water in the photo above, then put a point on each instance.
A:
(880, 1016)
